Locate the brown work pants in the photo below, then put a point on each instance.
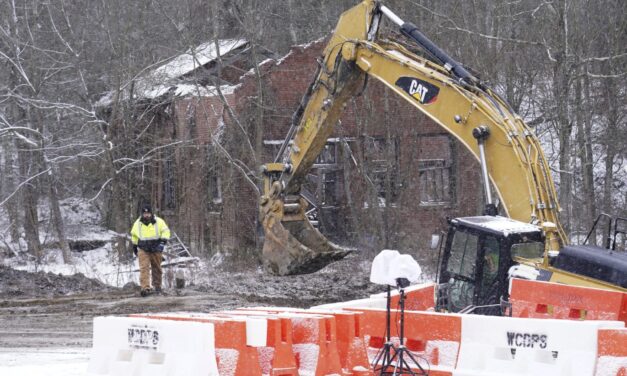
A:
(152, 261)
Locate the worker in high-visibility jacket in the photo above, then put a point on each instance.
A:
(149, 236)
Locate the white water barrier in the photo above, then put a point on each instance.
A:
(143, 347)
(496, 346)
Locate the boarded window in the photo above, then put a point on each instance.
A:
(381, 156)
(432, 167)
(435, 185)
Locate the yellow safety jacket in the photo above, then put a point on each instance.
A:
(149, 236)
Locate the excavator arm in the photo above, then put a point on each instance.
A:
(439, 87)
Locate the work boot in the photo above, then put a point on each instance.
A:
(158, 291)
(144, 293)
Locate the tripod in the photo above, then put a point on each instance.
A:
(384, 357)
(402, 361)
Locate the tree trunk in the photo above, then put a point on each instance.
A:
(57, 219)
(8, 187)
(115, 200)
(30, 198)
(584, 148)
(611, 147)
(611, 92)
(561, 92)
(55, 211)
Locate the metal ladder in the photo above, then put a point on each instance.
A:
(176, 247)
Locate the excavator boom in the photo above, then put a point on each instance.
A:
(442, 89)
(292, 245)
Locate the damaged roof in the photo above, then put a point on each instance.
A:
(174, 78)
(193, 59)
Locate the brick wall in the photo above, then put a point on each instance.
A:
(377, 113)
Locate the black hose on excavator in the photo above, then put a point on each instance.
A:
(411, 31)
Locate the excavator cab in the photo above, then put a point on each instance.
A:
(478, 254)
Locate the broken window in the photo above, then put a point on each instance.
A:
(191, 120)
(329, 188)
(381, 157)
(192, 123)
(271, 149)
(326, 170)
(321, 188)
(214, 180)
(435, 185)
(215, 189)
(322, 180)
(327, 155)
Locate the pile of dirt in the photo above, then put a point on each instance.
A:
(19, 283)
(340, 281)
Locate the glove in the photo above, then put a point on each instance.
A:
(160, 246)
(135, 249)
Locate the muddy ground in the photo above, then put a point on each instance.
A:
(47, 310)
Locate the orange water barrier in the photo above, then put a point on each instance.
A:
(277, 357)
(612, 352)
(551, 300)
(341, 340)
(433, 338)
(417, 298)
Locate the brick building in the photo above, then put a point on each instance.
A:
(387, 178)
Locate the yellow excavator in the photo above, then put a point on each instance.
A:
(481, 252)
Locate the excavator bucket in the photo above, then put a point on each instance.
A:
(295, 246)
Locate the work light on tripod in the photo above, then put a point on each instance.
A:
(392, 269)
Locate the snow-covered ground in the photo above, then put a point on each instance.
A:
(43, 362)
(102, 263)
